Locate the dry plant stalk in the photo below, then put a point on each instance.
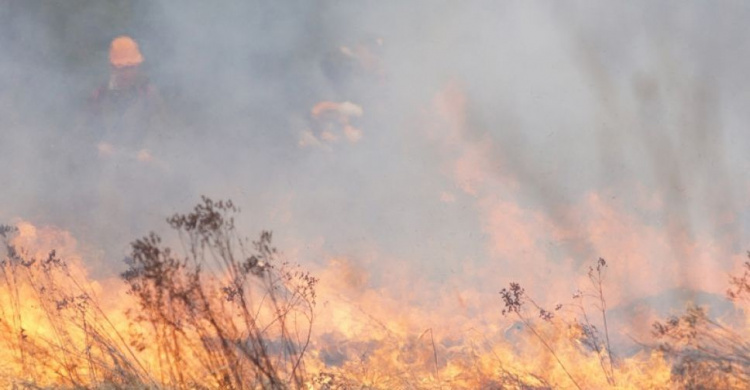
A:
(228, 309)
(514, 298)
(229, 313)
(705, 352)
(54, 330)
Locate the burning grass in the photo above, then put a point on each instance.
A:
(227, 312)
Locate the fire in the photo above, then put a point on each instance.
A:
(61, 328)
(54, 321)
(500, 196)
(229, 313)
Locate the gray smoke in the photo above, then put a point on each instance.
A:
(609, 98)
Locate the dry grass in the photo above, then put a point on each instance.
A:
(226, 312)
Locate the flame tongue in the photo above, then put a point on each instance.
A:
(60, 328)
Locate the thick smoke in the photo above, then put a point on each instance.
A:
(518, 140)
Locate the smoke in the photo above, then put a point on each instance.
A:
(517, 140)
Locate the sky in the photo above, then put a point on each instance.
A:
(456, 145)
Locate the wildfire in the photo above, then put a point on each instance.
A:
(61, 328)
(499, 196)
(230, 313)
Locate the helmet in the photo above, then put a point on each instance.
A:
(124, 52)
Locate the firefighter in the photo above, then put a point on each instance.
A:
(355, 66)
(124, 127)
(125, 110)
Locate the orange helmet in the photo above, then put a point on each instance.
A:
(124, 52)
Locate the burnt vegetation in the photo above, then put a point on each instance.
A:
(229, 313)
(584, 331)
(703, 353)
(73, 343)
(228, 305)
(224, 312)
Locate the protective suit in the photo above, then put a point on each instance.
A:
(126, 111)
(124, 127)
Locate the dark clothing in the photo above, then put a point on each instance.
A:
(124, 167)
(128, 118)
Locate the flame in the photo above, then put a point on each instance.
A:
(394, 329)
(364, 335)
